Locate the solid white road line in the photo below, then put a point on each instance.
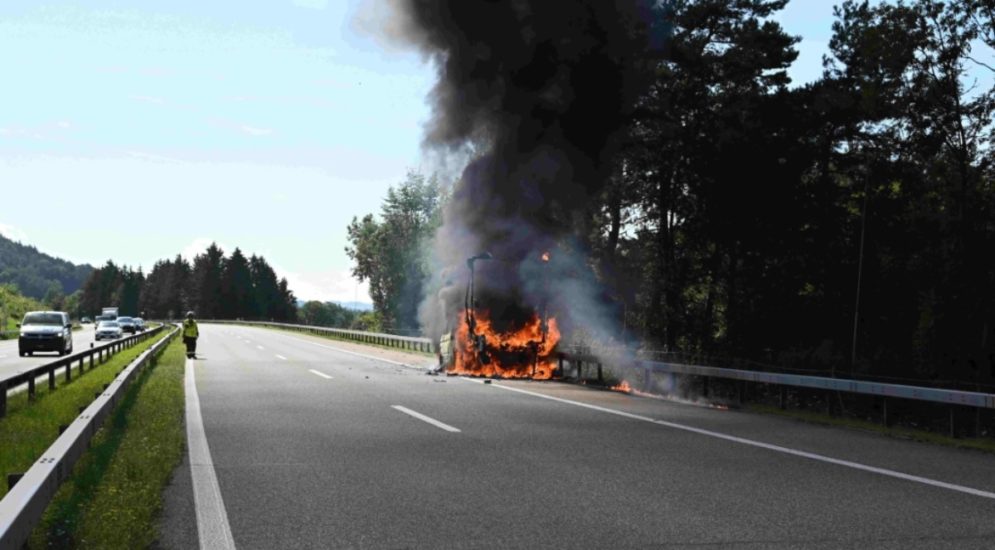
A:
(760, 444)
(213, 529)
(281, 357)
(319, 373)
(424, 418)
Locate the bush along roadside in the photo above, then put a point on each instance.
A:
(115, 491)
(31, 426)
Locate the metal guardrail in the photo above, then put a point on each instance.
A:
(31, 375)
(899, 391)
(22, 508)
(917, 393)
(401, 342)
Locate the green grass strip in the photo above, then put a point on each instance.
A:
(114, 495)
(976, 443)
(30, 427)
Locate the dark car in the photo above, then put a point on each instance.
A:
(45, 331)
(127, 324)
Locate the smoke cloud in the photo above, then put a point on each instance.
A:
(536, 92)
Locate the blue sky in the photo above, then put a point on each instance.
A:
(134, 131)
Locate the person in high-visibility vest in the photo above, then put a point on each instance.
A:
(190, 334)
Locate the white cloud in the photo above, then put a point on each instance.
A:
(336, 285)
(253, 131)
(13, 233)
(311, 4)
(154, 100)
(152, 157)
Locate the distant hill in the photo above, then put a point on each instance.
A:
(355, 306)
(35, 272)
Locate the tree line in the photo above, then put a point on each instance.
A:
(845, 225)
(214, 286)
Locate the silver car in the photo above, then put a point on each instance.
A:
(108, 330)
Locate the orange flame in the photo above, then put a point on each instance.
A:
(545, 256)
(624, 387)
(517, 354)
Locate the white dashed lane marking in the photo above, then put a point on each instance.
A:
(319, 373)
(423, 418)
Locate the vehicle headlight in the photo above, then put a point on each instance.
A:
(24, 335)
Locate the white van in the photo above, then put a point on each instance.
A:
(45, 331)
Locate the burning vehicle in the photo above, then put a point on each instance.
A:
(499, 335)
(533, 100)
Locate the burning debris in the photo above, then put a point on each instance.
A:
(535, 93)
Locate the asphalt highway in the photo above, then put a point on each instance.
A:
(313, 447)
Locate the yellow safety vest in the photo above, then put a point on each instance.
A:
(190, 329)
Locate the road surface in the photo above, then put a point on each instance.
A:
(312, 447)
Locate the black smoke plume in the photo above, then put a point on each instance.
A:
(536, 91)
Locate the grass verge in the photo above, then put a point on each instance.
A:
(31, 426)
(980, 443)
(115, 491)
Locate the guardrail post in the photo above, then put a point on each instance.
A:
(704, 386)
(69, 372)
(3, 399)
(31, 388)
(601, 376)
(884, 412)
(51, 378)
(580, 370)
(81, 364)
(91, 360)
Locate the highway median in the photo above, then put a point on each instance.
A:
(114, 493)
(31, 425)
